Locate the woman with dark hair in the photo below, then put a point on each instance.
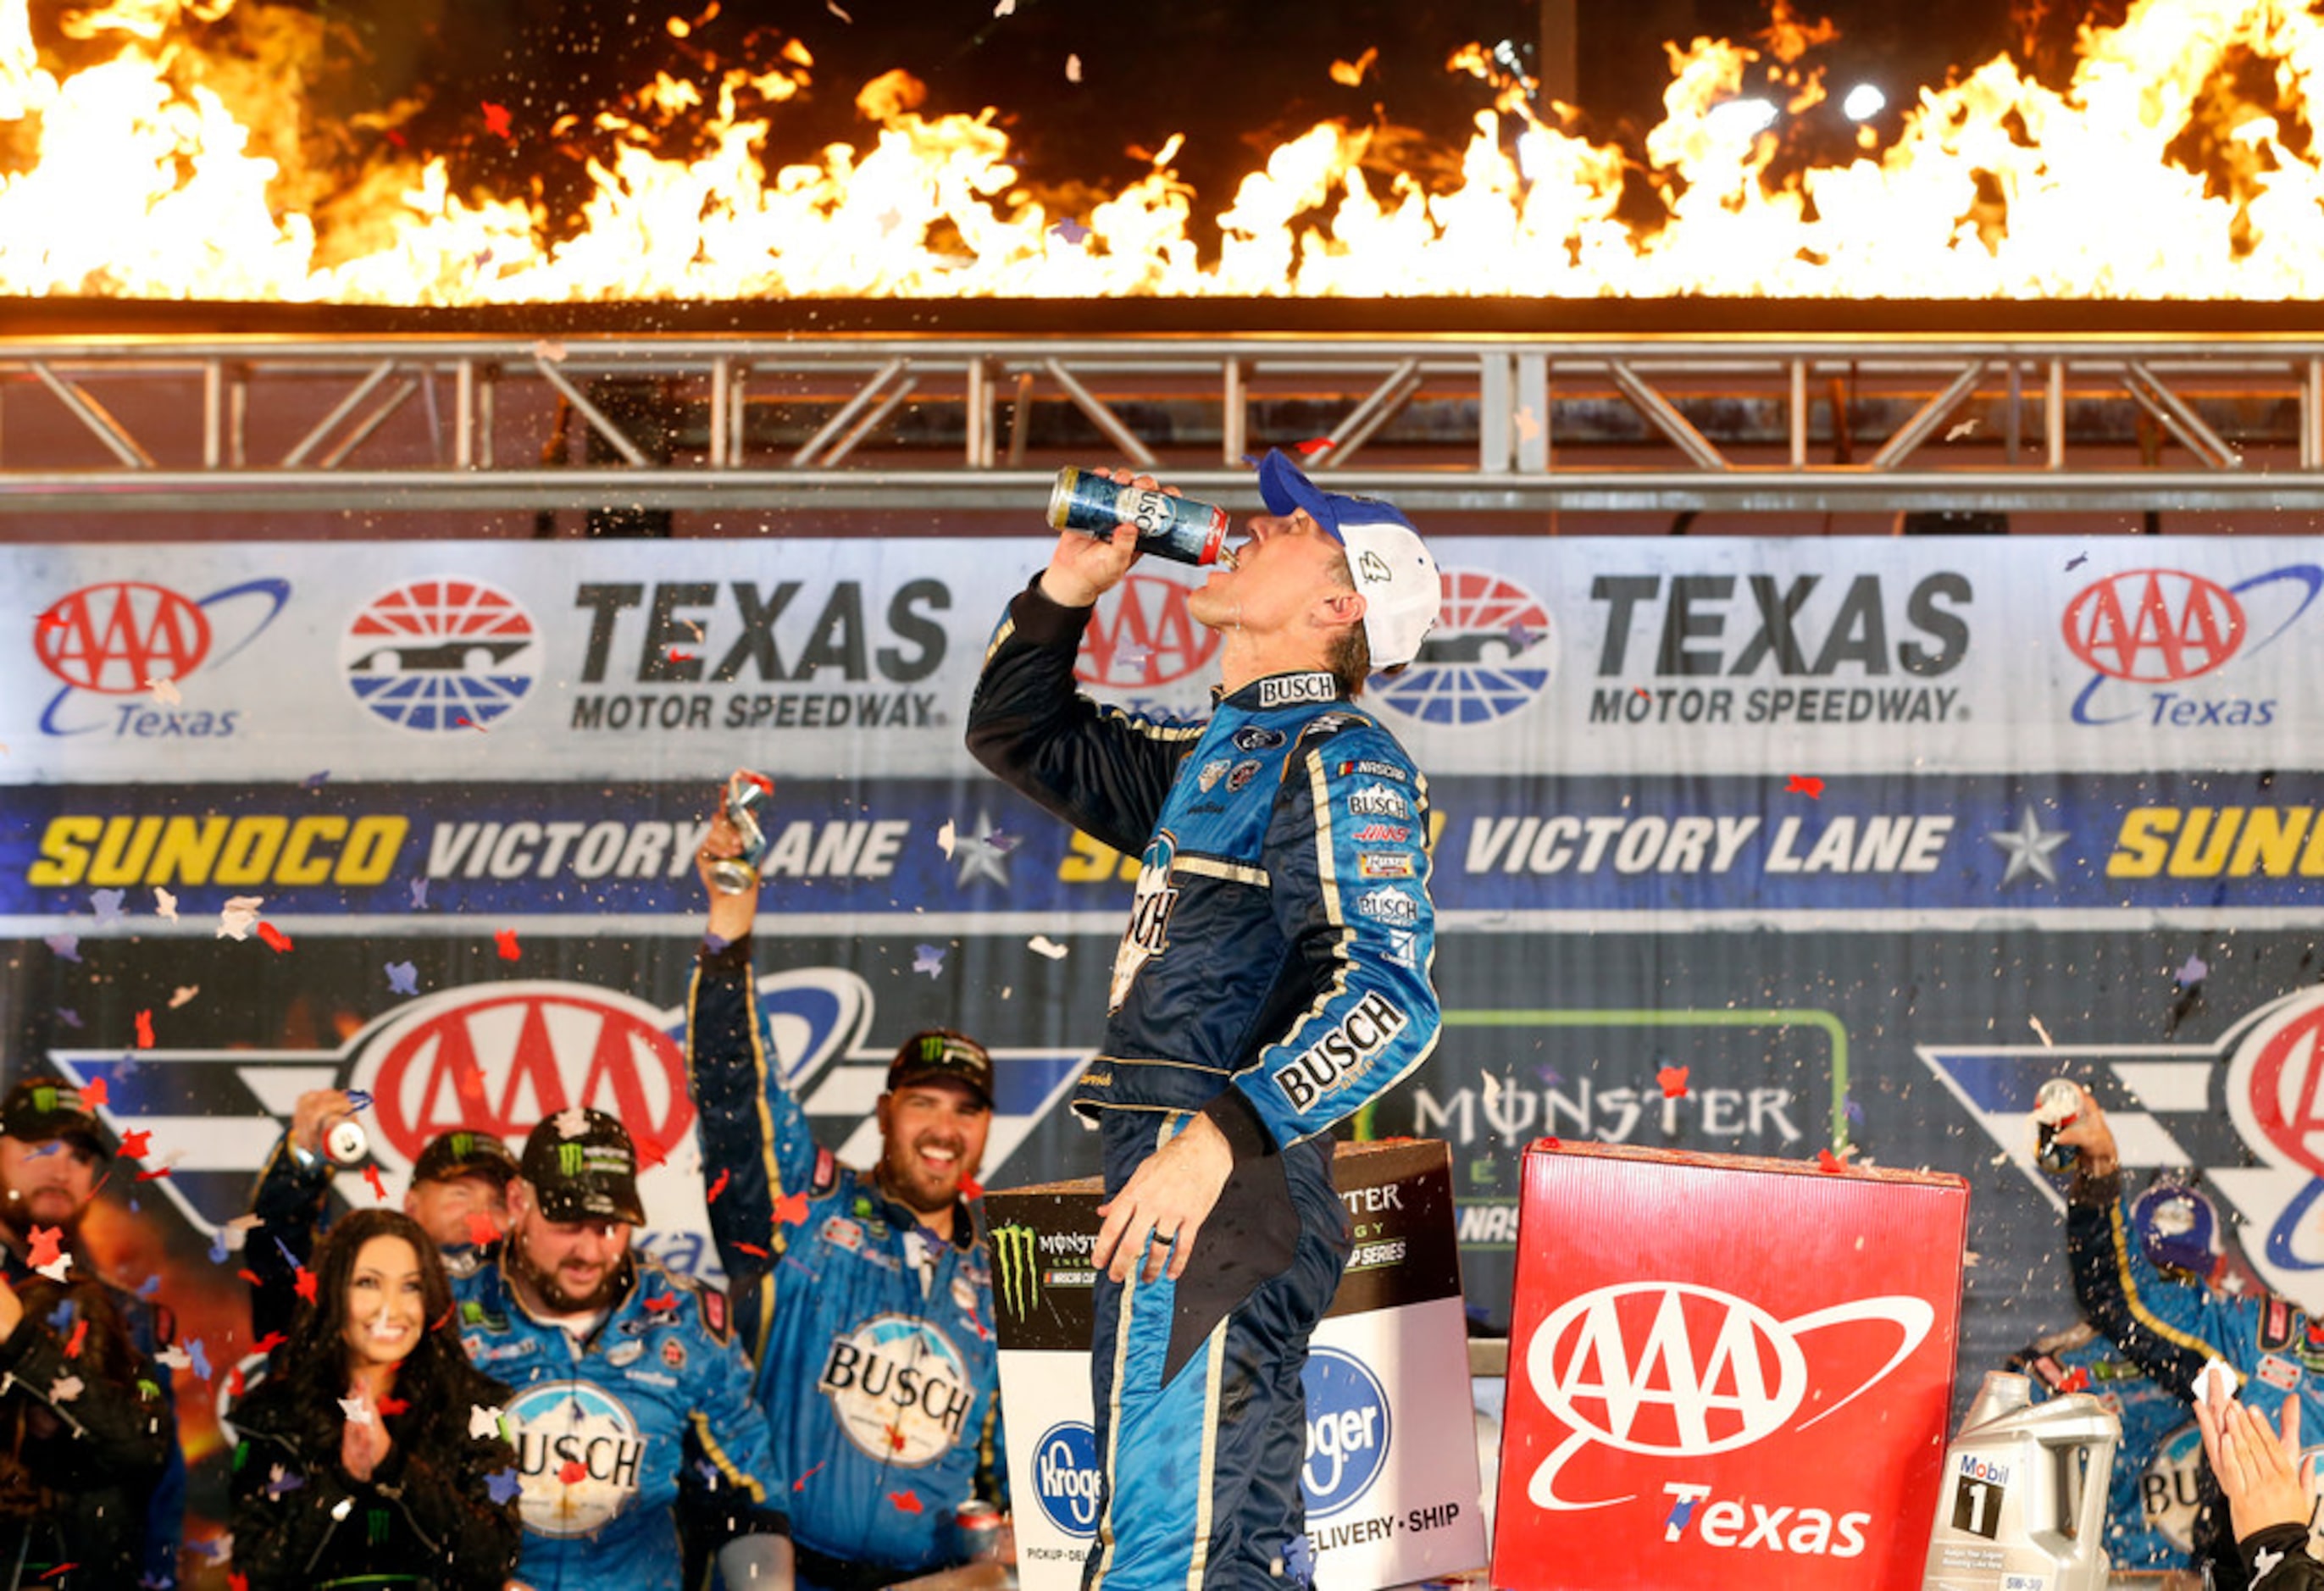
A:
(84, 1436)
(360, 1461)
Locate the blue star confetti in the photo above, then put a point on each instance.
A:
(503, 1486)
(402, 978)
(217, 1247)
(284, 1481)
(200, 1357)
(2194, 971)
(1298, 1560)
(69, 1017)
(419, 893)
(67, 946)
(931, 960)
(315, 781)
(1071, 230)
(107, 905)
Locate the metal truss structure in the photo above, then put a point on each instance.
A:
(1510, 424)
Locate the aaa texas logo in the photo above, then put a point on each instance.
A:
(2257, 1093)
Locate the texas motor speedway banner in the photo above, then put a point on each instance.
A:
(1867, 837)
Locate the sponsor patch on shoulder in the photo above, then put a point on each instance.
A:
(1385, 864)
(1285, 689)
(1241, 775)
(1368, 769)
(1257, 737)
(841, 1233)
(2279, 1372)
(826, 1173)
(1393, 906)
(1213, 772)
(714, 1311)
(1378, 801)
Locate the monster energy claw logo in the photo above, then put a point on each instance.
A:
(1014, 1256)
(568, 1160)
(462, 1144)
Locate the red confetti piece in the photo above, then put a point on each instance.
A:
(498, 121)
(468, 1082)
(1308, 449)
(482, 1231)
(800, 1484)
(444, 1319)
(906, 1502)
(506, 938)
(79, 1336)
(1826, 1161)
(791, 1209)
(970, 1188)
(238, 1582)
(649, 1154)
(155, 1175)
(895, 1439)
(305, 1284)
(134, 1142)
(48, 1245)
(276, 940)
(378, 1188)
(1553, 1144)
(464, 722)
(716, 1188)
(753, 1249)
(392, 1405)
(234, 1381)
(62, 1569)
(661, 1304)
(573, 1472)
(1673, 1081)
(1804, 784)
(269, 1343)
(94, 1092)
(677, 657)
(398, 139)
(144, 1030)
(251, 1276)
(2078, 1379)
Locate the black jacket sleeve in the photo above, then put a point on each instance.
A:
(2168, 1329)
(2289, 1567)
(116, 1433)
(1103, 770)
(289, 1204)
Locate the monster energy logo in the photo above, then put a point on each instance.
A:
(375, 1522)
(463, 1145)
(568, 1160)
(932, 1046)
(1015, 1258)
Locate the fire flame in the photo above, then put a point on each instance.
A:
(2178, 162)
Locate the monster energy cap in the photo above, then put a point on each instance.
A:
(939, 1052)
(40, 1108)
(461, 1153)
(583, 1167)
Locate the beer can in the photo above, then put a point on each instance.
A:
(1175, 527)
(345, 1143)
(2057, 1105)
(747, 794)
(977, 1524)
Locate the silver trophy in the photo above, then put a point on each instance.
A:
(747, 793)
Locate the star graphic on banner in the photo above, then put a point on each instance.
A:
(982, 855)
(2028, 846)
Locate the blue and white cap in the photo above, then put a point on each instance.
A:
(1401, 589)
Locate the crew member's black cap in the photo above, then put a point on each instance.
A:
(464, 1153)
(939, 1052)
(583, 1167)
(38, 1109)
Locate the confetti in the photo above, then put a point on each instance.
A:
(1072, 231)
(791, 1209)
(316, 781)
(94, 1092)
(1673, 1079)
(393, 1406)
(1006, 8)
(2043, 1033)
(144, 1030)
(378, 1188)
(498, 121)
(154, 1175)
(1962, 429)
(945, 839)
(1349, 74)
(66, 945)
(506, 940)
(107, 905)
(358, 1410)
(1851, 1109)
(1298, 1556)
(217, 1247)
(304, 1285)
(1528, 423)
(276, 940)
(483, 1422)
(1826, 1161)
(236, 917)
(663, 1305)
(183, 993)
(970, 1188)
(571, 1122)
(67, 1388)
(716, 1188)
(573, 1472)
(58, 1271)
(503, 1486)
(1805, 785)
(419, 893)
(1642, 691)
(69, 1017)
(1520, 636)
(1041, 944)
(832, 6)
(201, 1358)
(280, 1481)
(1313, 446)
(1073, 75)
(402, 978)
(2077, 561)
(165, 905)
(79, 1336)
(906, 1502)
(482, 1231)
(930, 959)
(165, 691)
(753, 1249)
(800, 1484)
(2194, 971)
(47, 1244)
(174, 1357)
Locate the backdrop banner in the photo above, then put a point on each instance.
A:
(1743, 846)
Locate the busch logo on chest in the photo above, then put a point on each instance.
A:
(899, 1389)
(1360, 1034)
(1148, 933)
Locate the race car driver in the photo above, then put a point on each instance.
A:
(629, 1388)
(866, 1298)
(1273, 978)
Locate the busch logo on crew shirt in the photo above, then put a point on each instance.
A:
(1360, 1034)
(899, 1388)
(1148, 933)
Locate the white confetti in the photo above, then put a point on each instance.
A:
(56, 1268)
(1962, 429)
(1006, 8)
(946, 839)
(2036, 1024)
(832, 8)
(182, 993)
(239, 915)
(548, 352)
(1528, 423)
(2200, 1393)
(165, 691)
(358, 1410)
(165, 905)
(66, 1389)
(483, 1422)
(175, 1358)
(571, 1122)
(1041, 944)
(1073, 68)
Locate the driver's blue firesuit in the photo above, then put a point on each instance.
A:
(612, 1431)
(877, 1364)
(1275, 978)
(2172, 1328)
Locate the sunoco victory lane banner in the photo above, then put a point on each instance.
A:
(1757, 847)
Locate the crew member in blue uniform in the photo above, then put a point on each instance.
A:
(866, 1298)
(1275, 978)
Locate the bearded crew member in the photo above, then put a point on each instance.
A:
(1273, 978)
(867, 1300)
(630, 1398)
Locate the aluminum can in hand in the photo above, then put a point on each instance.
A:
(1175, 527)
(2058, 1104)
(747, 794)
